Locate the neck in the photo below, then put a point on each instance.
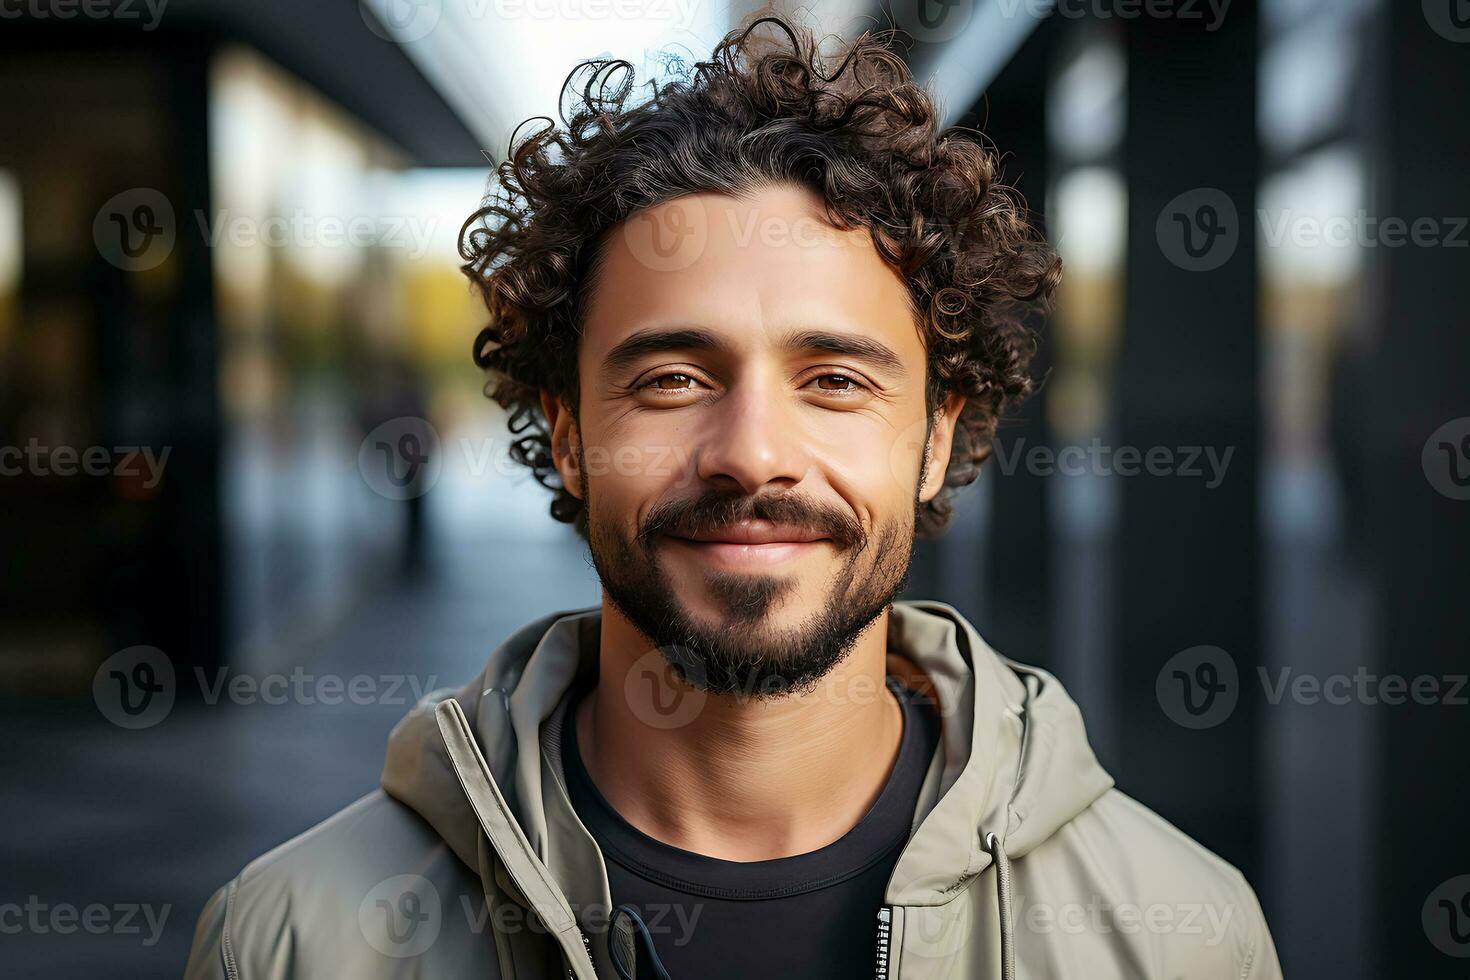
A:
(734, 777)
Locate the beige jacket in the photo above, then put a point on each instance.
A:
(1024, 860)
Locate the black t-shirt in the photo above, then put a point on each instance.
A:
(811, 915)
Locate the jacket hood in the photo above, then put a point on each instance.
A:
(1015, 762)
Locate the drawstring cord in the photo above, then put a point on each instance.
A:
(1003, 899)
(625, 919)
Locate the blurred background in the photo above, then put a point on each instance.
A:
(1234, 521)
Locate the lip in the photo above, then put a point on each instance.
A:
(756, 532)
(751, 544)
(738, 555)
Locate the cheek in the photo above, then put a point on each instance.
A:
(902, 452)
(636, 466)
(877, 470)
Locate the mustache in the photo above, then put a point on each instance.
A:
(715, 509)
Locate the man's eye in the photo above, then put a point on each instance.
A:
(842, 382)
(671, 382)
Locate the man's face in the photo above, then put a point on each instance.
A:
(750, 442)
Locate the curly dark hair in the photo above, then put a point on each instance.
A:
(763, 109)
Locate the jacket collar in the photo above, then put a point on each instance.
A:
(1015, 758)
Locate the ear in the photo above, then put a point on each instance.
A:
(564, 439)
(941, 441)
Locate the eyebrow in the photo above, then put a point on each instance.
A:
(654, 340)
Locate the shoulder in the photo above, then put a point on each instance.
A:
(358, 894)
(1151, 855)
(1120, 875)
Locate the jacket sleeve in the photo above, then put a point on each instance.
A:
(1264, 964)
(207, 956)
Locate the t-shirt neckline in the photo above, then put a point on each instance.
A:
(884, 828)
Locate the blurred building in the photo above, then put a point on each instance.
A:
(214, 254)
(1234, 191)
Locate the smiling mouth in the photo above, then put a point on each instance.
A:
(751, 544)
(738, 554)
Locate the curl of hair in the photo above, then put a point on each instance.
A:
(764, 109)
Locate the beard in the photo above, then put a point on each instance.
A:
(741, 654)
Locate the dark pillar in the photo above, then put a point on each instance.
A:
(1417, 511)
(1187, 380)
(158, 366)
(198, 533)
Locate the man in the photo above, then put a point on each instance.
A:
(753, 333)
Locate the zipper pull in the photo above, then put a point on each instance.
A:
(885, 929)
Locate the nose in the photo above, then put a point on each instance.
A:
(753, 438)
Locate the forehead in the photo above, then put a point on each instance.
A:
(751, 269)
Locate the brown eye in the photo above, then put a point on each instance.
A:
(842, 378)
(681, 382)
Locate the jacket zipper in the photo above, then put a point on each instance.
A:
(885, 931)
